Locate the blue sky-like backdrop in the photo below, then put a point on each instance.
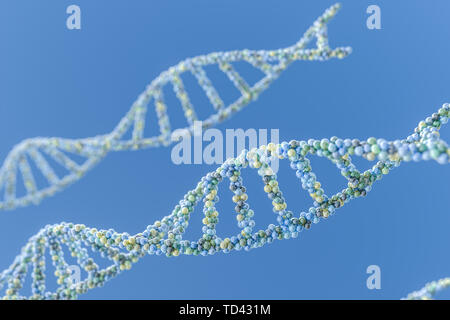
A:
(79, 83)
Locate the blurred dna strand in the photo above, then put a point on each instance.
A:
(165, 237)
(94, 149)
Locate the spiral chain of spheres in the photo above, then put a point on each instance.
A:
(93, 149)
(165, 237)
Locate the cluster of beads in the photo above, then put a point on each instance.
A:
(430, 290)
(94, 149)
(165, 237)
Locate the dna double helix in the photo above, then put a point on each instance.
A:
(165, 237)
(93, 149)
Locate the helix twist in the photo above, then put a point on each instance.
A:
(166, 236)
(92, 150)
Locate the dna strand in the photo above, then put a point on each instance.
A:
(430, 290)
(94, 149)
(166, 236)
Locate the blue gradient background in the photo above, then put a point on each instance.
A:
(58, 82)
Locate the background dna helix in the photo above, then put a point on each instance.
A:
(134, 119)
(93, 149)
